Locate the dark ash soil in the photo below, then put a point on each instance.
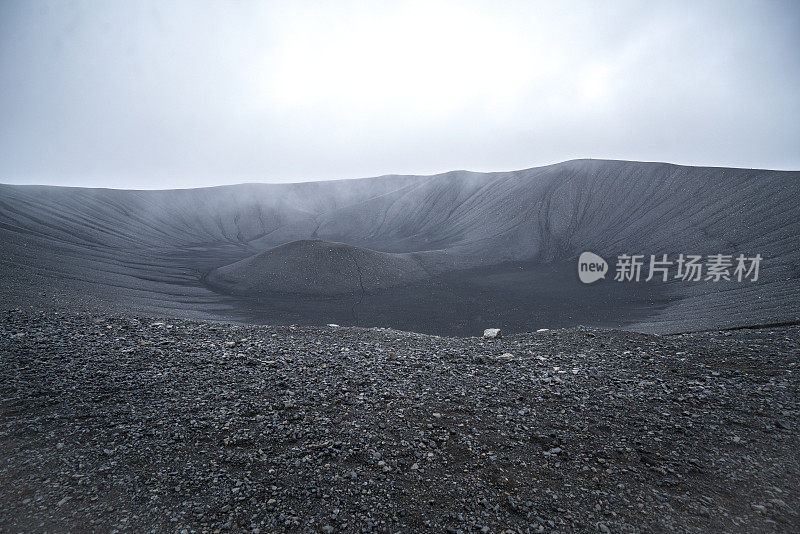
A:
(112, 423)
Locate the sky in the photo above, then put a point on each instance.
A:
(169, 94)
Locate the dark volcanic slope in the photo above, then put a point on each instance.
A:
(317, 268)
(494, 248)
(117, 424)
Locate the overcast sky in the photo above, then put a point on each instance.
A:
(182, 94)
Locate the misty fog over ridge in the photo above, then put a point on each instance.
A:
(151, 93)
(450, 253)
(226, 182)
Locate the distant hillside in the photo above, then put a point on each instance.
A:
(462, 249)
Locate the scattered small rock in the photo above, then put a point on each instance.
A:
(492, 333)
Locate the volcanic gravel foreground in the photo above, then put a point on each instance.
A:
(113, 423)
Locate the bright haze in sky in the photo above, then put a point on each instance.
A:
(182, 94)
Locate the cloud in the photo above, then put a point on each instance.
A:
(153, 94)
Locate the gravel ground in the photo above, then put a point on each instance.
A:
(116, 423)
